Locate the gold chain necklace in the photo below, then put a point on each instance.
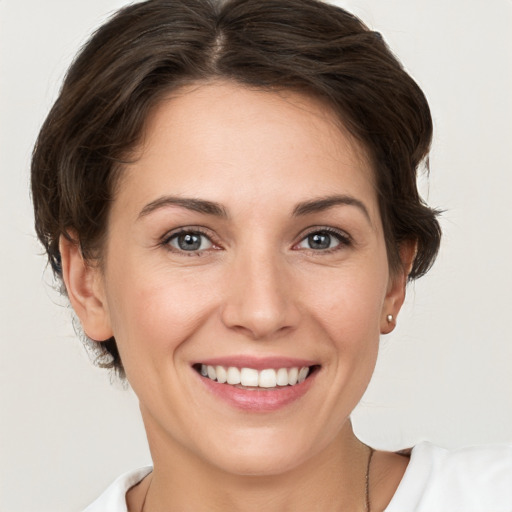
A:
(366, 485)
(367, 481)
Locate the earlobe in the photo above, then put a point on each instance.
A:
(85, 290)
(395, 295)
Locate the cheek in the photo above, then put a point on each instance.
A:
(349, 302)
(348, 311)
(155, 310)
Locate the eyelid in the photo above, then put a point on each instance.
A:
(200, 230)
(344, 238)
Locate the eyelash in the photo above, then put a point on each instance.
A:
(166, 241)
(343, 238)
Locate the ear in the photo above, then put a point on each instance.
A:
(85, 288)
(395, 295)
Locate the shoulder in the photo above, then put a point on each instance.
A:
(114, 498)
(469, 479)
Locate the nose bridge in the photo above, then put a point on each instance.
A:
(260, 301)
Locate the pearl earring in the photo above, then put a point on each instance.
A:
(389, 318)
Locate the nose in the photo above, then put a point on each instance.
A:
(260, 301)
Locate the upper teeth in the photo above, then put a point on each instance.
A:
(268, 378)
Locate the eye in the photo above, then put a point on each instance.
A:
(323, 240)
(189, 241)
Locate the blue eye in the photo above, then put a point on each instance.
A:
(323, 240)
(189, 241)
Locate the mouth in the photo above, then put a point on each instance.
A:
(253, 379)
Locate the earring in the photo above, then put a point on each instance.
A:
(389, 318)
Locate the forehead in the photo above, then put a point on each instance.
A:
(222, 139)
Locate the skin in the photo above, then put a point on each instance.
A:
(256, 288)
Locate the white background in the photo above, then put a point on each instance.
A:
(443, 375)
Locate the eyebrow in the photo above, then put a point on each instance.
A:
(324, 203)
(217, 210)
(195, 205)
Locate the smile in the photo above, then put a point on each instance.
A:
(258, 385)
(266, 378)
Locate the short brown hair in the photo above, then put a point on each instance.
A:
(150, 48)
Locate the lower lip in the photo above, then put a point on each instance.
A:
(258, 399)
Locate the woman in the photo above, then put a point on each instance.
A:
(228, 193)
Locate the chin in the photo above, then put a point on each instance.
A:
(259, 464)
(260, 455)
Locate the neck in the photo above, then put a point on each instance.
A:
(333, 479)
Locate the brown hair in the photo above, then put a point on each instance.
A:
(150, 48)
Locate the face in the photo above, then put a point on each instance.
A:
(245, 243)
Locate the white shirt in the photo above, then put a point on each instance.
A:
(466, 480)
(436, 480)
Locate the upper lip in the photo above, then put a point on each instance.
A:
(257, 363)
